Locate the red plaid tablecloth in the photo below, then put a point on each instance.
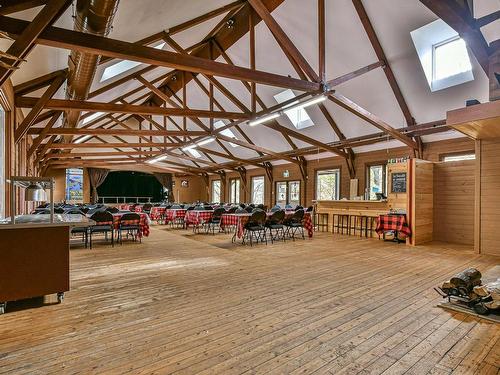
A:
(156, 212)
(393, 222)
(124, 207)
(197, 217)
(138, 208)
(144, 222)
(174, 213)
(239, 220)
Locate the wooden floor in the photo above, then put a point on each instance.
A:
(185, 304)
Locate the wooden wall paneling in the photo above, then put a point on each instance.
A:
(490, 200)
(423, 201)
(477, 198)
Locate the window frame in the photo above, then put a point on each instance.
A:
(287, 182)
(263, 188)
(212, 190)
(367, 176)
(441, 44)
(339, 184)
(442, 157)
(231, 189)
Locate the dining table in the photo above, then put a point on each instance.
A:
(238, 221)
(197, 217)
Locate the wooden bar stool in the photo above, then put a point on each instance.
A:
(321, 221)
(341, 224)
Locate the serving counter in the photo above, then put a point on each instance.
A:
(34, 256)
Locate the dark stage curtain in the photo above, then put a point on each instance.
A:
(165, 179)
(97, 177)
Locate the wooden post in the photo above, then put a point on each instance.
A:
(477, 199)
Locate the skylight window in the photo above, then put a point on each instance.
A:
(450, 58)
(226, 132)
(122, 66)
(93, 116)
(298, 116)
(443, 55)
(194, 153)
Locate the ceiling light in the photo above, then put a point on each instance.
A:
(157, 159)
(263, 119)
(81, 139)
(190, 147)
(206, 141)
(311, 102)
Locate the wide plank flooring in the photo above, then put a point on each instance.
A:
(188, 304)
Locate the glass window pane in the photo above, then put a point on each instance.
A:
(294, 195)
(216, 196)
(235, 191)
(258, 190)
(281, 188)
(451, 58)
(327, 185)
(376, 180)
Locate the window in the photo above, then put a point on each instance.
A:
(450, 58)
(216, 196)
(91, 117)
(459, 157)
(258, 190)
(327, 184)
(288, 193)
(194, 153)
(234, 190)
(226, 132)
(443, 55)
(376, 180)
(298, 116)
(74, 185)
(122, 66)
(2, 162)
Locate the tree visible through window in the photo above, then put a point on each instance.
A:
(327, 185)
(234, 190)
(216, 196)
(258, 190)
(376, 180)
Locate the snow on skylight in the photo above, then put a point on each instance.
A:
(122, 66)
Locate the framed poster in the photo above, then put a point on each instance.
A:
(398, 182)
(74, 185)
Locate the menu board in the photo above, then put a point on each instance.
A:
(398, 182)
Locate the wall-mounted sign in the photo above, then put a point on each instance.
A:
(185, 183)
(398, 182)
(286, 173)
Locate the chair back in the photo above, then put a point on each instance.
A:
(58, 210)
(257, 218)
(240, 211)
(299, 207)
(218, 212)
(277, 217)
(131, 218)
(249, 209)
(113, 210)
(147, 207)
(232, 210)
(74, 211)
(310, 209)
(276, 209)
(102, 218)
(298, 216)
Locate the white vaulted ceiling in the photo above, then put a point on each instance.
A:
(347, 49)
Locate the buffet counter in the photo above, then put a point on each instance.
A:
(34, 256)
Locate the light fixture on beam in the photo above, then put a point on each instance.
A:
(263, 119)
(309, 103)
(157, 159)
(205, 141)
(82, 139)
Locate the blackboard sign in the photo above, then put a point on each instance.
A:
(399, 182)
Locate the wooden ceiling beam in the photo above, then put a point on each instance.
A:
(43, 133)
(379, 51)
(111, 145)
(27, 38)
(356, 73)
(74, 40)
(362, 113)
(119, 132)
(104, 154)
(37, 83)
(81, 105)
(37, 106)
(485, 20)
(280, 35)
(14, 6)
(460, 19)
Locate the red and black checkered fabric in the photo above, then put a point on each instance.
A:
(143, 223)
(197, 217)
(156, 213)
(398, 223)
(172, 214)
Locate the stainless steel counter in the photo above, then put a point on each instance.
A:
(42, 220)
